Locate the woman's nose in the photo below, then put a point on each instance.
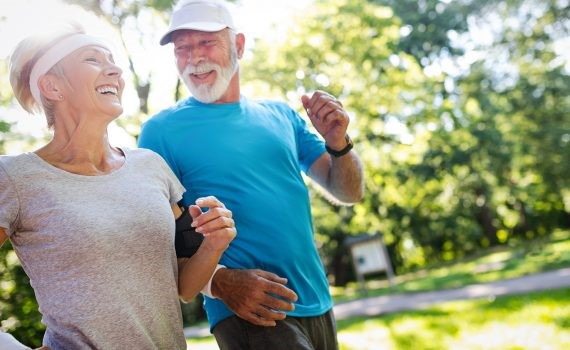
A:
(113, 69)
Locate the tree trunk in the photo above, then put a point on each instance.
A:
(340, 263)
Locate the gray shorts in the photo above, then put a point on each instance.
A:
(311, 333)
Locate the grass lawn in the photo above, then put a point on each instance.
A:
(206, 343)
(529, 321)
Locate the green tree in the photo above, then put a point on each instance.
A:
(349, 48)
(527, 97)
(453, 152)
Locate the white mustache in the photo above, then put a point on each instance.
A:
(202, 68)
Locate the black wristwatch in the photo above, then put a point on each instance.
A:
(343, 151)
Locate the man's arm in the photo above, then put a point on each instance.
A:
(341, 174)
(342, 177)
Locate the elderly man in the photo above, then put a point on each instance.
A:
(272, 291)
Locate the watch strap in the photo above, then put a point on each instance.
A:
(342, 152)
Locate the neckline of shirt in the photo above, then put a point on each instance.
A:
(61, 172)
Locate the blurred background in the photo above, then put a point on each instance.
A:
(460, 110)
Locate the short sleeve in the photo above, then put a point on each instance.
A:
(309, 145)
(174, 186)
(9, 203)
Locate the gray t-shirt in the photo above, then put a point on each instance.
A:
(99, 250)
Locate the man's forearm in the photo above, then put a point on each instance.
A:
(346, 178)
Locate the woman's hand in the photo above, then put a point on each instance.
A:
(216, 223)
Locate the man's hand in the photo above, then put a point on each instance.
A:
(257, 296)
(328, 116)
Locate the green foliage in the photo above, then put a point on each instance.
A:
(454, 158)
(18, 306)
(193, 311)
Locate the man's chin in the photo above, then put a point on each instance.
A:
(204, 98)
(204, 94)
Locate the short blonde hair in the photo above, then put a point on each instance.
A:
(23, 59)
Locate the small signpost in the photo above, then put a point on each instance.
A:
(369, 255)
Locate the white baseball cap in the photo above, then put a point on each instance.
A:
(205, 16)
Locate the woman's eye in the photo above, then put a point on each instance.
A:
(91, 59)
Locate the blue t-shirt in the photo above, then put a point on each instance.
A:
(250, 155)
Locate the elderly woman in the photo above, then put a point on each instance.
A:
(93, 224)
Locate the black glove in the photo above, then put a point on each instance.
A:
(187, 240)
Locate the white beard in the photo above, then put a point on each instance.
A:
(207, 93)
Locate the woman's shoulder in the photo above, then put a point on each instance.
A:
(14, 162)
(22, 168)
(142, 155)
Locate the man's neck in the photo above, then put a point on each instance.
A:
(232, 94)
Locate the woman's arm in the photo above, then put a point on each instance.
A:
(176, 210)
(218, 228)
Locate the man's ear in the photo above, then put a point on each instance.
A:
(50, 87)
(240, 44)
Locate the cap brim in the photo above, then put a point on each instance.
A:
(201, 26)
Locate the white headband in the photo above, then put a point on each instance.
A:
(55, 54)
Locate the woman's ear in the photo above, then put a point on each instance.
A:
(50, 87)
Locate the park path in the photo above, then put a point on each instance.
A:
(374, 306)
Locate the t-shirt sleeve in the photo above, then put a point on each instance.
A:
(174, 186)
(8, 202)
(309, 145)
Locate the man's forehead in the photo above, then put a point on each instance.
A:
(186, 33)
